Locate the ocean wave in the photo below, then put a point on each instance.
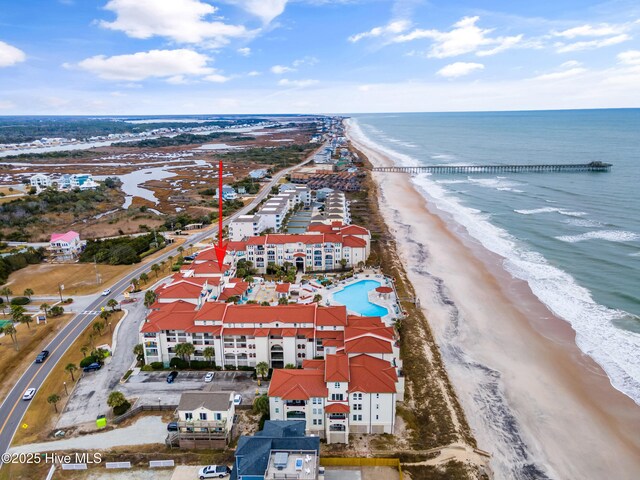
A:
(551, 210)
(451, 182)
(609, 235)
(496, 183)
(443, 156)
(583, 222)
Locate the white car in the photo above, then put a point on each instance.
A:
(209, 377)
(214, 471)
(28, 395)
(237, 399)
(106, 292)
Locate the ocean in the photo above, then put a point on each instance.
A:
(574, 237)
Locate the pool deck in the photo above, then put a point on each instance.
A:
(390, 303)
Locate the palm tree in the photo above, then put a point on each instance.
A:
(155, 268)
(116, 399)
(262, 369)
(98, 327)
(105, 314)
(11, 331)
(16, 311)
(136, 284)
(138, 351)
(163, 264)
(170, 257)
(190, 248)
(26, 319)
(112, 304)
(53, 400)
(343, 263)
(3, 307)
(85, 349)
(185, 350)
(28, 292)
(45, 308)
(180, 250)
(6, 291)
(208, 353)
(144, 278)
(149, 298)
(70, 368)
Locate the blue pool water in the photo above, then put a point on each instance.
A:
(355, 298)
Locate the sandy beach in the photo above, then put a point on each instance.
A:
(532, 398)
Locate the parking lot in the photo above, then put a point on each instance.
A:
(152, 388)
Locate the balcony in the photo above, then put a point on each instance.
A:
(295, 403)
(337, 416)
(337, 428)
(296, 415)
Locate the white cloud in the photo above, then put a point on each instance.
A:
(245, 51)
(571, 72)
(392, 28)
(602, 30)
(281, 69)
(216, 78)
(297, 83)
(254, 73)
(266, 10)
(464, 37)
(305, 61)
(591, 44)
(183, 21)
(630, 57)
(153, 64)
(10, 55)
(459, 69)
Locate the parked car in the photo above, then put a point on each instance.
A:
(92, 367)
(29, 393)
(237, 399)
(42, 356)
(106, 292)
(214, 471)
(189, 258)
(172, 427)
(172, 376)
(209, 376)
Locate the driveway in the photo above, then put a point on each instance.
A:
(89, 397)
(152, 388)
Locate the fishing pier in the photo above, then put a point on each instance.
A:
(471, 169)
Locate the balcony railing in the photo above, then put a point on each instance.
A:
(337, 416)
(337, 428)
(295, 403)
(296, 415)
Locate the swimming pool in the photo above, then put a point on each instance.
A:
(355, 298)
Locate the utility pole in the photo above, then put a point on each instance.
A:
(60, 288)
(95, 265)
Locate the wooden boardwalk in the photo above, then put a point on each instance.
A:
(469, 169)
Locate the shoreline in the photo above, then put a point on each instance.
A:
(532, 398)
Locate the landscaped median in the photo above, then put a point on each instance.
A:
(41, 415)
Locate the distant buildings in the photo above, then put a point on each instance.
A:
(258, 174)
(82, 181)
(65, 246)
(228, 193)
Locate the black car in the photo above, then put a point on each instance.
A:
(42, 356)
(92, 368)
(172, 376)
(172, 427)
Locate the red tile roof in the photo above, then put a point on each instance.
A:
(290, 384)
(337, 408)
(202, 266)
(180, 289)
(171, 316)
(336, 368)
(283, 287)
(233, 290)
(354, 242)
(259, 314)
(332, 316)
(368, 345)
(211, 311)
(236, 246)
(372, 375)
(313, 364)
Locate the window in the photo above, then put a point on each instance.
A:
(336, 397)
(203, 416)
(188, 416)
(277, 410)
(218, 416)
(377, 417)
(336, 385)
(377, 395)
(357, 396)
(357, 418)
(377, 406)
(319, 421)
(357, 406)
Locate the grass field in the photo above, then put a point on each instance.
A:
(30, 342)
(41, 417)
(77, 278)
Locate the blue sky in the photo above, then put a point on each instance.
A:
(317, 56)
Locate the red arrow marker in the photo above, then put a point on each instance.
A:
(220, 249)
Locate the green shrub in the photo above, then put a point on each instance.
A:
(127, 375)
(20, 300)
(229, 367)
(120, 409)
(146, 368)
(86, 361)
(56, 311)
(157, 365)
(178, 363)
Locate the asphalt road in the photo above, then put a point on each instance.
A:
(13, 408)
